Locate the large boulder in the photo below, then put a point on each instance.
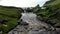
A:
(51, 22)
(21, 22)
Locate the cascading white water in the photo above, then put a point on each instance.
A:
(31, 19)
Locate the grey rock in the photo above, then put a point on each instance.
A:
(42, 31)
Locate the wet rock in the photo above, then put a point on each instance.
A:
(45, 20)
(28, 24)
(24, 23)
(41, 31)
(58, 30)
(0, 32)
(40, 18)
(21, 22)
(57, 25)
(33, 32)
(51, 22)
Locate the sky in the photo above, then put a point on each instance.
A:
(22, 3)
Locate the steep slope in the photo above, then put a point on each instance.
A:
(50, 14)
(54, 10)
(55, 2)
(8, 18)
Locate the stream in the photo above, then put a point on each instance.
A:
(30, 25)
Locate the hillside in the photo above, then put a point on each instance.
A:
(9, 18)
(51, 13)
(55, 2)
(54, 11)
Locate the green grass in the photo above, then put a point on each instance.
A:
(11, 24)
(55, 2)
(51, 12)
(54, 7)
(8, 11)
(11, 15)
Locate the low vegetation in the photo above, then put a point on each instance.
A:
(50, 13)
(9, 18)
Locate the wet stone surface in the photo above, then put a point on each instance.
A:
(30, 25)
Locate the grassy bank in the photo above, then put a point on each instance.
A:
(8, 18)
(51, 12)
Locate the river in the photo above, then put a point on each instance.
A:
(34, 25)
(29, 24)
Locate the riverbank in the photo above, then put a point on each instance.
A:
(8, 18)
(50, 13)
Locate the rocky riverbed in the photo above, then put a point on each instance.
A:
(29, 24)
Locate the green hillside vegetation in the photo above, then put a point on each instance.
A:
(51, 12)
(54, 10)
(8, 18)
(55, 2)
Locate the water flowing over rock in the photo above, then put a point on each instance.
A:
(29, 24)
